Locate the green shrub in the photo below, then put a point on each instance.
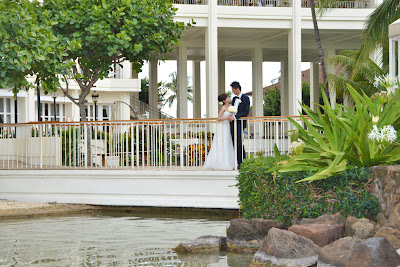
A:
(283, 199)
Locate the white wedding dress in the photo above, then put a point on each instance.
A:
(222, 154)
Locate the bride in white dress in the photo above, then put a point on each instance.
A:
(222, 154)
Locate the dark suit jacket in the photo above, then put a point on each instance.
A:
(243, 108)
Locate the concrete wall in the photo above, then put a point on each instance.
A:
(200, 189)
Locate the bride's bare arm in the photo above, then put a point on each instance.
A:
(219, 118)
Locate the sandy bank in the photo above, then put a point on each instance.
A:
(9, 209)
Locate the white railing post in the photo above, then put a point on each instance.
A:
(181, 143)
(85, 143)
(235, 142)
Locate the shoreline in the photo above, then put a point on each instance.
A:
(10, 209)
(17, 209)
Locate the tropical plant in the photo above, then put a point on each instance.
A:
(172, 86)
(376, 32)
(360, 75)
(341, 137)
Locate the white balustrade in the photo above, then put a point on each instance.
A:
(145, 144)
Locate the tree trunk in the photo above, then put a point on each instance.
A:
(321, 52)
(82, 97)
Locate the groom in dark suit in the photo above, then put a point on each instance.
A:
(242, 103)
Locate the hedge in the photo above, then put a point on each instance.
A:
(282, 199)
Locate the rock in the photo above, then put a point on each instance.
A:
(325, 218)
(254, 229)
(285, 248)
(395, 214)
(391, 234)
(241, 246)
(364, 229)
(207, 243)
(321, 234)
(361, 228)
(349, 252)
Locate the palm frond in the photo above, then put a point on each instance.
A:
(375, 34)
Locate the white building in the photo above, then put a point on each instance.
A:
(225, 30)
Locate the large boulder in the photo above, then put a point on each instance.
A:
(321, 234)
(325, 218)
(391, 234)
(285, 248)
(246, 236)
(360, 228)
(349, 252)
(207, 243)
(254, 229)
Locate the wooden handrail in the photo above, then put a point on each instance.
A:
(283, 118)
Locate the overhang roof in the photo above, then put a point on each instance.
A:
(394, 28)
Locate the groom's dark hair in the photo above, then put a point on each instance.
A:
(236, 85)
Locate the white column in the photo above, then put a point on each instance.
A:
(314, 85)
(181, 92)
(258, 92)
(211, 53)
(153, 87)
(30, 106)
(330, 68)
(392, 57)
(284, 87)
(76, 115)
(221, 75)
(196, 76)
(294, 52)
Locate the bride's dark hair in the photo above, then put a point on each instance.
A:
(222, 97)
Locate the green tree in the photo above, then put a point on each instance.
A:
(144, 91)
(172, 86)
(272, 99)
(29, 47)
(272, 102)
(360, 75)
(110, 32)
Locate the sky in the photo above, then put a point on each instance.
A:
(234, 71)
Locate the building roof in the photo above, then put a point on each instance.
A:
(305, 77)
(394, 28)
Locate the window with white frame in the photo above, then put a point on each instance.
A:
(6, 110)
(47, 111)
(103, 112)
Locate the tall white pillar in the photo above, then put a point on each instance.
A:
(294, 54)
(258, 91)
(330, 68)
(153, 87)
(314, 85)
(221, 75)
(30, 110)
(211, 53)
(284, 88)
(196, 76)
(181, 92)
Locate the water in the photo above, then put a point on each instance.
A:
(108, 240)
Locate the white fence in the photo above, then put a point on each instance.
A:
(155, 144)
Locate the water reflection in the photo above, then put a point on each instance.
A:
(100, 240)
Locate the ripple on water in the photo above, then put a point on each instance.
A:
(108, 241)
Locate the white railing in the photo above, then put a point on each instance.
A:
(266, 3)
(339, 4)
(135, 144)
(190, 2)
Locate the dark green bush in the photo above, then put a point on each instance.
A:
(283, 199)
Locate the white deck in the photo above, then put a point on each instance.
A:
(160, 188)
